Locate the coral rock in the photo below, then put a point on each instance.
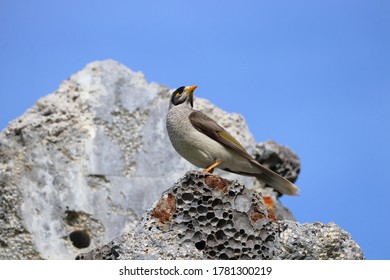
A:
(204, 216)
(82, 166)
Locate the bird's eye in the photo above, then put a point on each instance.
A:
(176, 96)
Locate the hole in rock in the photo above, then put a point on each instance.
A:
(80, 239)
(200, 245)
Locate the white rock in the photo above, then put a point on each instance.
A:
(93, 156)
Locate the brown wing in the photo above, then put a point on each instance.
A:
(213, 130)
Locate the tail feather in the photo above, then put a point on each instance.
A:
(277, 182)
(271, 178)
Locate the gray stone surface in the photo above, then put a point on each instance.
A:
(207, 217)
(97, 148)
(80, 168)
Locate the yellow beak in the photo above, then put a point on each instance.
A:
(191, 89)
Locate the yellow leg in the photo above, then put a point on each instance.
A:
(211, 167)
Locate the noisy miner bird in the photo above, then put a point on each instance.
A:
(205, 144)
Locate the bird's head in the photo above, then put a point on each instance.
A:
(183, 95)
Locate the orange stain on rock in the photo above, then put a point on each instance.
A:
(164, 209)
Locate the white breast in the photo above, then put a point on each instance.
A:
(194, 146)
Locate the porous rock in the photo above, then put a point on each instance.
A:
(81, 167)
(84, 163)
(204, 216)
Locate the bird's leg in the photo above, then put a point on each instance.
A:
(210, 169)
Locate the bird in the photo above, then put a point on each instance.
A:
(205, 144)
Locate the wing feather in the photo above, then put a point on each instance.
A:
(204, 124)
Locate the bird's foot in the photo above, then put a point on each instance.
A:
(210, 169)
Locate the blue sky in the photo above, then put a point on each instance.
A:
(312, 75)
